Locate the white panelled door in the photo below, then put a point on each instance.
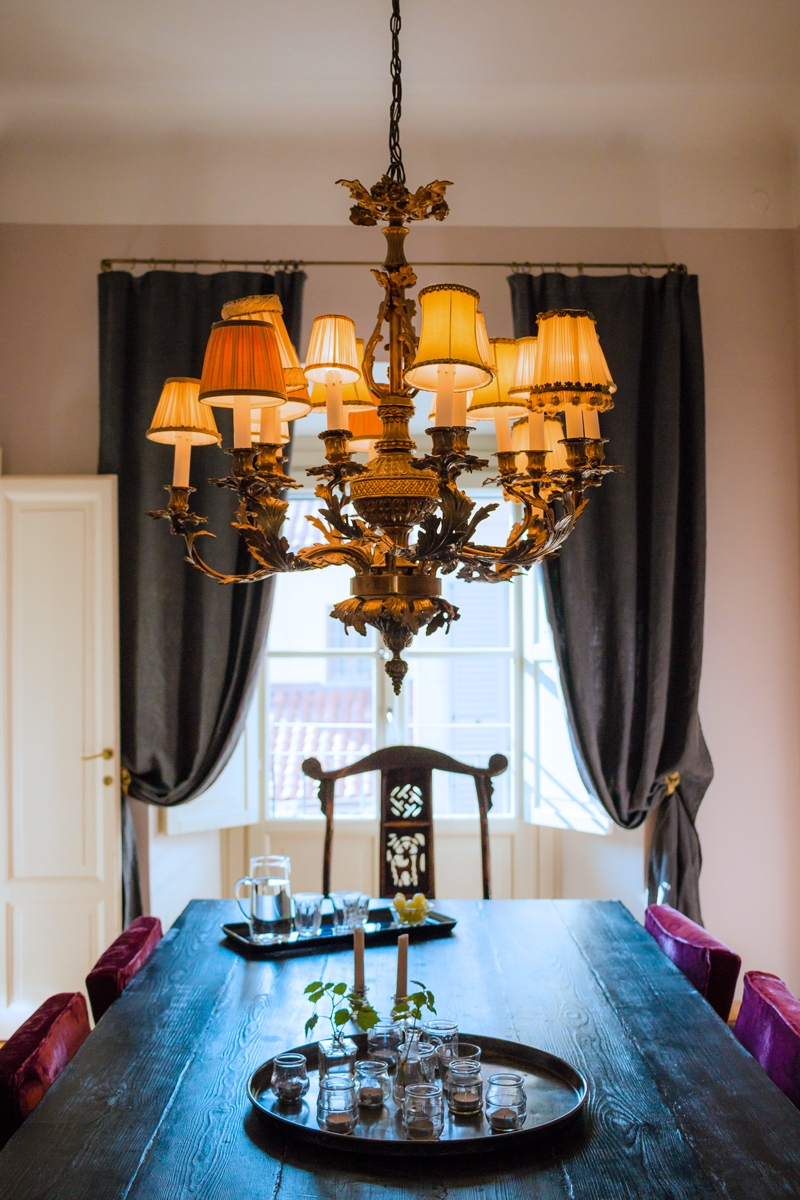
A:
(59, 794)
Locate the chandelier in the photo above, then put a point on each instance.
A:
(400, 521)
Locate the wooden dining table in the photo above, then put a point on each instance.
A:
(155, 1104)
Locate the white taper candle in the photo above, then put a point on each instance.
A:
(334, 409)
(445, 379)
(183, 455)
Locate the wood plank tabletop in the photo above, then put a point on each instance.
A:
(154, 1105)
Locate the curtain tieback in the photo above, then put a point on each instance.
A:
(672, 781)
(125, 780)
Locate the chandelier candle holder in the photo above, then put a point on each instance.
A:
(400, 521)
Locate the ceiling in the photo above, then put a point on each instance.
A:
(568, 112)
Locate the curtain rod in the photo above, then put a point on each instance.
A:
(296, 264)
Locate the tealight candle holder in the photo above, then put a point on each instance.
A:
(384, 1041)
(290, 1077)
(372, 1083)
(423, 1112)
(464, 1087)
(506, 1102)
(337, 1106)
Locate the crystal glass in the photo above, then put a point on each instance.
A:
(441, 1032)
(307, 913)
(337, 900)
(372, 1083)
(423, 1111)
(359, 911)
(352, 906)
(464, 1086)
(416, 1063)
(337, 1056)
(337, 1107)
(447, 1052)
(270, 915)
(506, 1102)
(289, 1077)
(384, 1041)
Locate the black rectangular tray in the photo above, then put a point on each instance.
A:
(382, 929)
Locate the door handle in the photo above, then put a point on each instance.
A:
(106, 754)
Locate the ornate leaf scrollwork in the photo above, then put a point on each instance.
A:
(390, 200)
(443, 535)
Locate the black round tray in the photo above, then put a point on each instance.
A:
(556, 1094)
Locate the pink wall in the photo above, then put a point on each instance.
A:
(750, 821)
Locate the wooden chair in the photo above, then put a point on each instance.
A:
(406, 841)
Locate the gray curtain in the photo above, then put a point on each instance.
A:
(189, 648)
(625, 595)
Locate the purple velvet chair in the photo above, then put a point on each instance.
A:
(768, 1026)
(34, 1056)
(114, 969)
(708, 964)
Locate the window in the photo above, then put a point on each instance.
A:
(489, 686)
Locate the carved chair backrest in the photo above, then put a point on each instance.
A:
(406, 834)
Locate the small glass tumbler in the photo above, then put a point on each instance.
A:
(441, 1032)
(464, 1087)
(337, 901)
(372, 1083)
(337, 1106)
(423, 1112)
(506, 1102)
(384, 1041)
(289, 1077)
(351, 908)
(307, 913)
(447, 1052)
(337, 1056)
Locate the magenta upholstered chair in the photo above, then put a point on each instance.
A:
(114, 969)
(34, 1056)
(708, 964)
(768, 1026)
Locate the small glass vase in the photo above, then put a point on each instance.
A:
(337, 1056)
(416, 1063)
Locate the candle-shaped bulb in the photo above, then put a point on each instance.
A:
(574, 420)
(271, 426)
(591, 423)
(183, 455)
(445, 380)
(460, 402)
(334, 409)
(242, 427)
(502, 431)
(536, 431)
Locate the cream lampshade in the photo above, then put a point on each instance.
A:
(524, 367)
(357, 396)
(270, 310)
(570, 366)
(332, 347)
(482, 339)
(448, 338)
(494, 400)
(317, 397)
(181, 421)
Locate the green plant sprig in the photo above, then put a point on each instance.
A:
(411, 1006)
(346, 1005)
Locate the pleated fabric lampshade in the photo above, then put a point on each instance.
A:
(448, 337)
(317, 397)
(482, 339)
(180, 415)
(270, 310)
(366, 427)
(332, 347)
(524, 367)
(243, 359)
(357, 396)
(494, 399)
(570, 366)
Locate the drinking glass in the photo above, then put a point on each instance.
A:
(307, 913)
(337, 1106)
(337, 901)
(289, 1077)
(270, 916)
(506, 1102)
(441, 1032)
(447, 1052)
(464, 1086)
(383, 1042)
(372, 1083)
(355, 909)
(423, 1111)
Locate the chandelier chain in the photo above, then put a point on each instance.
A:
(396, 171)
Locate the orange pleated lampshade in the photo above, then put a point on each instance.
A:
(524, 367)
(270, 310)
(357, 396)
(366, 427)
(243, 359)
